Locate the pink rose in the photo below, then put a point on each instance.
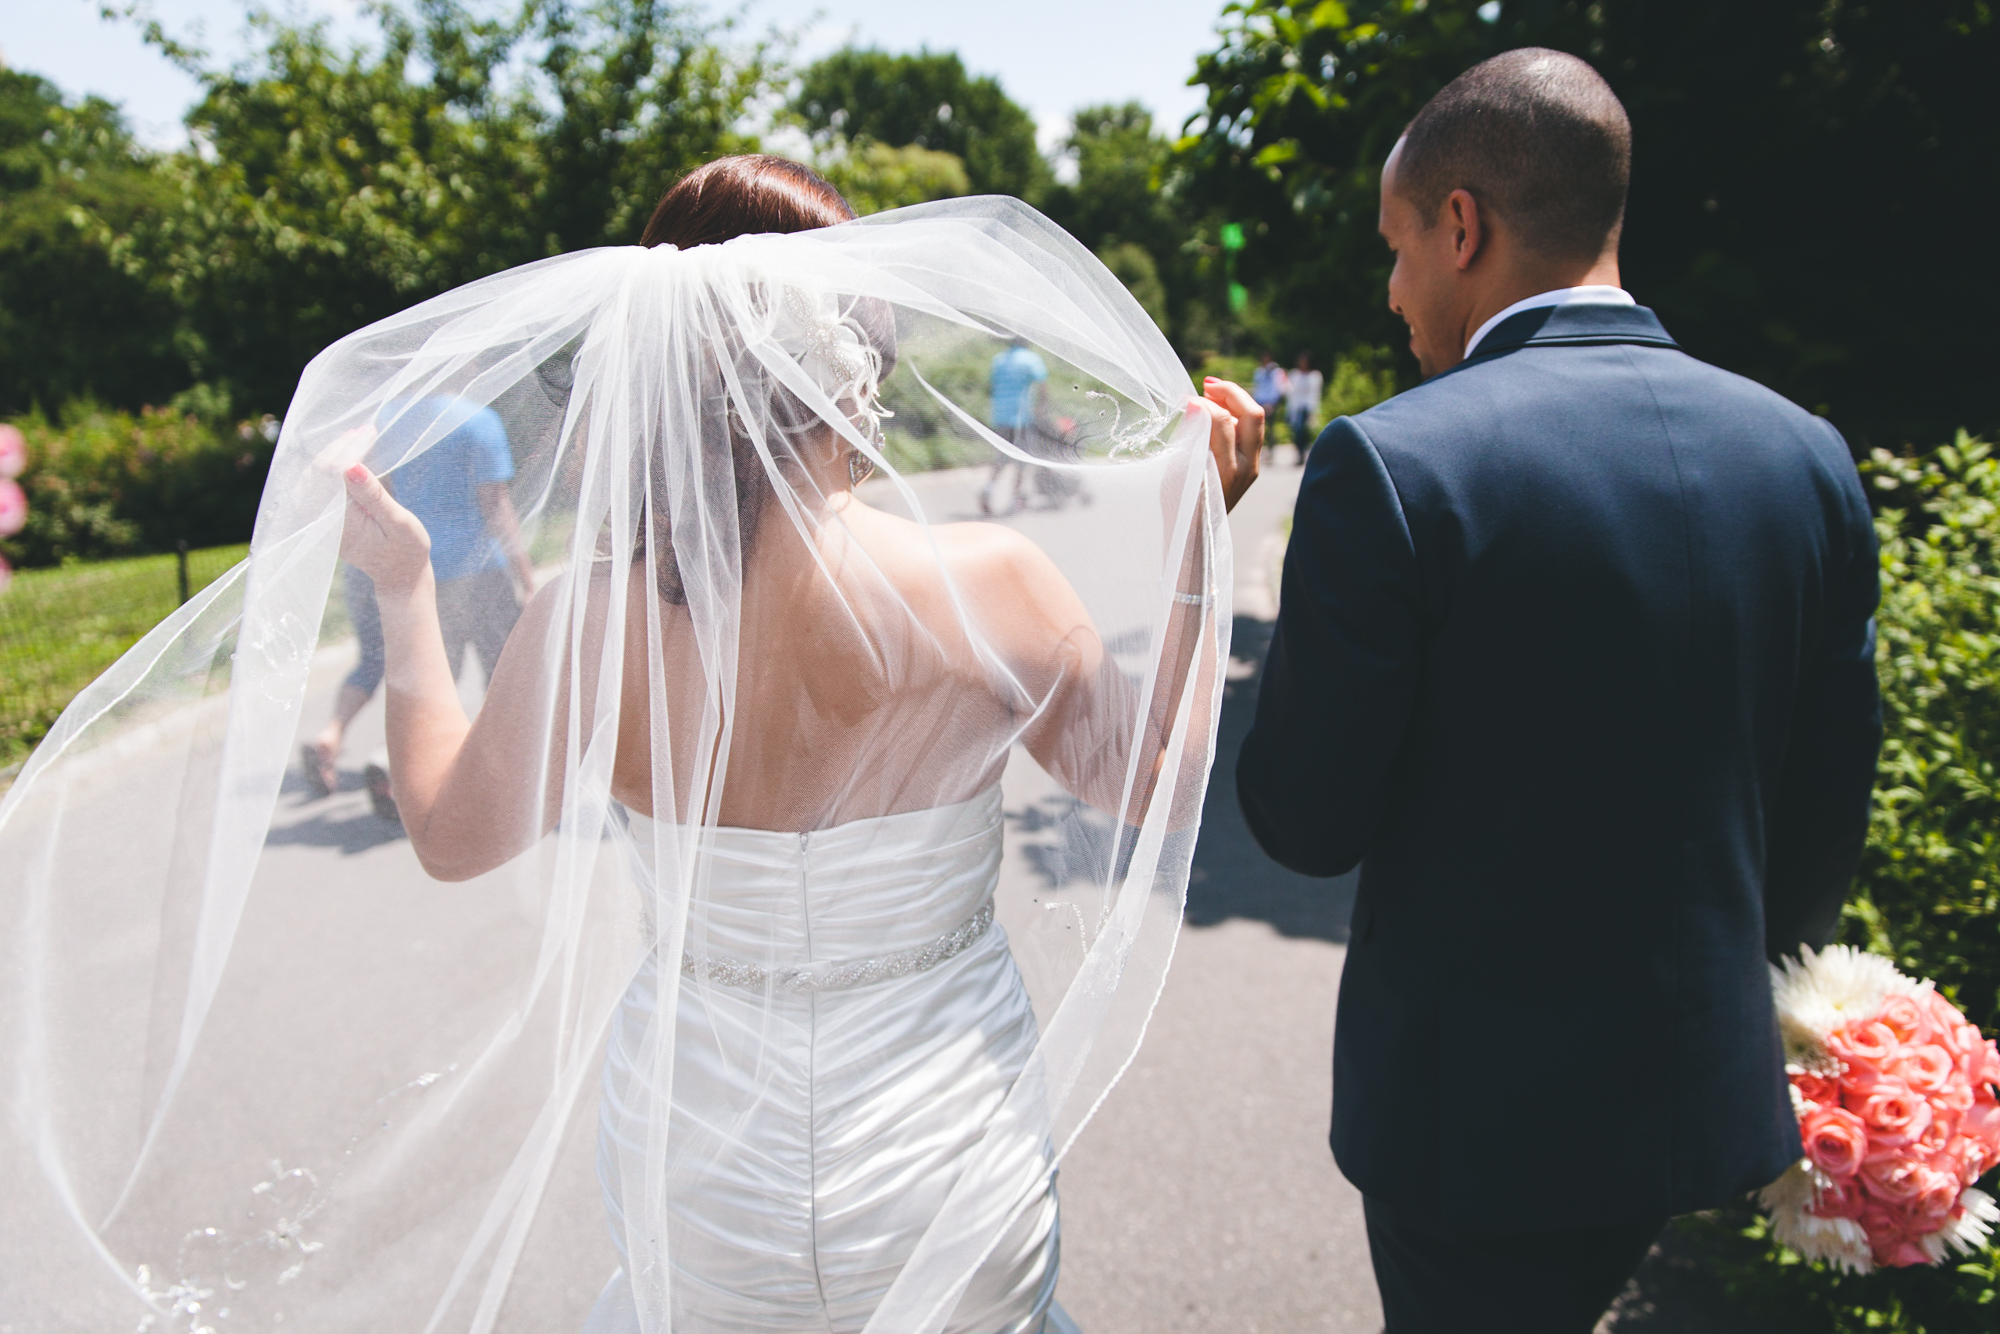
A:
(1965, 1039)
(1821, 1089)
(13, 451)
(1965, 1159)
(1939, 1134)
(1907, 1018)
(1858, 1081)
(1982, 1124)
(1924, 1068)
(1888, 1236)
(1938, 1197)
(1842, 1198)
(1944, 1015)
(13, 507)
(1953, 1098)
(1894, 1180)
(1863, 1046)
(1835, 1139)
(1895, 1116)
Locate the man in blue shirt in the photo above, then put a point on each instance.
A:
(1016, 384)
(458, 489)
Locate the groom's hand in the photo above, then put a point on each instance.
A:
(1235, 436)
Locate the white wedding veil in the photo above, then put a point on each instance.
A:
(262, 1075)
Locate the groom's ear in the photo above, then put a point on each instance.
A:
(1461, 213)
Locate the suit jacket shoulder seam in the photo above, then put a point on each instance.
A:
(1395, 492)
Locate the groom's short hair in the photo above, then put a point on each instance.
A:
(1538, 137)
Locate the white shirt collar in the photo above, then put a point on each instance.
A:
(1598, 294)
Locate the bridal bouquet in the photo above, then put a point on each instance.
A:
(1895, 1094)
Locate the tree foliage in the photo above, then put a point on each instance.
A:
(927, 100)
(1798, 167)
(873, 177)
(1123, 206)
(331, 187)
(73, 323)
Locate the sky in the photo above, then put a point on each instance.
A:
(1051, 56)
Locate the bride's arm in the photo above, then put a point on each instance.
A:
(1086, 731)
(472, 793)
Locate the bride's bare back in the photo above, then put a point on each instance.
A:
(833, 722)
(881, 666)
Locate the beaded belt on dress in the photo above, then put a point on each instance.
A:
(842, 976)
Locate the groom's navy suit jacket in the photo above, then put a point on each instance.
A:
(1576, 659)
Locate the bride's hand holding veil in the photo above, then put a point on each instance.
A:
(1235, 435)
(427, 725)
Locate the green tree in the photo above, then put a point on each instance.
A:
(875, 177)
(1798, 169)
(927, 100)
(1124, 206)
(1133, 266)
(332, 187)
(73, 323)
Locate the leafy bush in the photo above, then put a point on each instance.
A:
(1929, 891)
(1928, 894)
(875, 177)
(104, 483)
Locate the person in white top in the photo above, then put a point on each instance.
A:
(1303, 389)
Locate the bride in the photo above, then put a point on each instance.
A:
(765, 696)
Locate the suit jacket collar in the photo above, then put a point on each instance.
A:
(1571, 326)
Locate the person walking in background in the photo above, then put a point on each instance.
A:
(1016, 384)
(1576, 659)
(459, 489)
(1268, 386)
(1303, 387)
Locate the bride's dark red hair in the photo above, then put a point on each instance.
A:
(744, 195)
(749, 194)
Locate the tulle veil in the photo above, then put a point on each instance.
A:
(261, 1076)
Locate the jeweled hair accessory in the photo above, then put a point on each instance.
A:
(832, 348)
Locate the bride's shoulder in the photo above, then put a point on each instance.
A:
(969, 550)
(994, 565)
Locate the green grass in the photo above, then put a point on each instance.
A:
(61, 627)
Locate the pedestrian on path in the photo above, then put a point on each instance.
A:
(458, 489)
(1016, 385)
(1303, 387)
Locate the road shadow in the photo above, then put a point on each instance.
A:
(1232, 877)
(1677, 1291)
(344, 821)
(1071, 843)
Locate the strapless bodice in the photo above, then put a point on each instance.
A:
(817, 906)
(848, 1025)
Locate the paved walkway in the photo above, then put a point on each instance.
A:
(1203, 1196)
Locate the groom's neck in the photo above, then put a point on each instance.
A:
(1517, 277)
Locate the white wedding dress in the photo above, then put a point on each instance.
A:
(896, 1024)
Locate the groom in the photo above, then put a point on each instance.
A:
(1576, 658)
